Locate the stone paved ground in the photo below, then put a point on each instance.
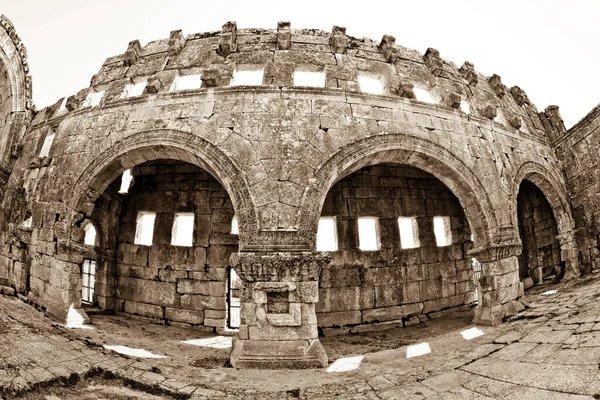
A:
(549, 351)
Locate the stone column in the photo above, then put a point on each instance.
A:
(569, 253)
(278, 326)
(499, 285)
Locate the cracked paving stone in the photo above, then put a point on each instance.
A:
(448, 380)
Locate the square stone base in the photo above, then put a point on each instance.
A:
(495, 315)
(278, 354)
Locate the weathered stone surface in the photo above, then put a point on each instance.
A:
(516, 190)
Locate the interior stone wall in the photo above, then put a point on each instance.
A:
(392, 283)
(175, 283)
(537, 226)
(578, 151)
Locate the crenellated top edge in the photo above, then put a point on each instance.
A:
(279, 52)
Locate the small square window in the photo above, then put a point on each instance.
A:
(409, 232)
(250, 78)
(235, 228)
(423, 95)
(134, 89)
(186, 82)
(327, 234)
(368, 234)
(464, 106)
(441, 229)
(144, 230)
(45, 151)
(370, 84)
(309, 78)
(183, 230)
(92, 99)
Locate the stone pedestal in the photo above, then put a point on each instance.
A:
(499, 286)
(278, 326)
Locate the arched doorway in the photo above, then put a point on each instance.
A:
(540, 258)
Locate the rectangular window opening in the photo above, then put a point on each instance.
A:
(144, 230)
(235, 227)
(90, 235)
(92, 99)
(88, 280)
(327, 234)
(134, 89)
(248, 78)
(309, 78)
(441, 229)
(183, 230)
(423, 95)
(464, 106)
(45, 151)
(126, 179)
(409, 232)
(368, 234)
(234, 290)
(186, 82)
(370, 84)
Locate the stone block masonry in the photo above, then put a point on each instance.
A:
(393, 283)
(184, 284)
(279, 156)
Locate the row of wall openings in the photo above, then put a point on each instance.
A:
(367, 83)
(181, 235)
(368, 233)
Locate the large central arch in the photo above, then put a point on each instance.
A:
(416, 152)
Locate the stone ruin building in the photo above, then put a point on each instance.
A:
(278, 184)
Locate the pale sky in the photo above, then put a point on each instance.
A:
(547, 47)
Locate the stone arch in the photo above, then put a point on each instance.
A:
(167, 144)
(13, 63)
(556, 195)
(553, 190)
(415, 152)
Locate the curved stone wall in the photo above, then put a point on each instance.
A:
(277, 149)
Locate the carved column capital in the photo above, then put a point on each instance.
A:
(279, 266)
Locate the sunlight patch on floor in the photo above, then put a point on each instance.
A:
(345, 364)
(471, 333)
(75, 319)
(550, 292)
(217, 342)
(418, 350)
(129, 351)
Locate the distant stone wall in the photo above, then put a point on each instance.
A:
(393, 283)
(578, 151)
(167, 282)
(541, 250)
